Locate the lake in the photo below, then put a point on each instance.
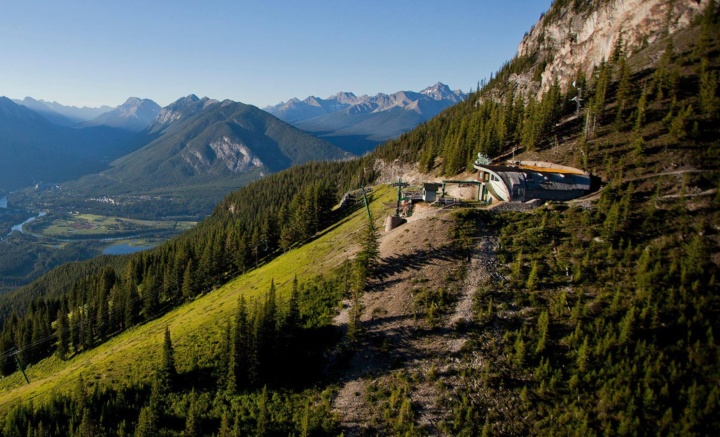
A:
(124, 249)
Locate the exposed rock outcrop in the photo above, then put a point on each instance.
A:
(573, 38)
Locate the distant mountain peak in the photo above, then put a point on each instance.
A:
(133, 101)
(60, 114)
(345, 97)
(439, 91)
(182, 108)
(359, 123)
(135, 114)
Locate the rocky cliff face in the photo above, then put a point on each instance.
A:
(576, 36)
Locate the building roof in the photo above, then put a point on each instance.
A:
(539, 180)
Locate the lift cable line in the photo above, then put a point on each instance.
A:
(169, 304)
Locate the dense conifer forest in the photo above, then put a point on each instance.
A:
(601, 318)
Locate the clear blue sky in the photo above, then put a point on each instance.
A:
(93, 52)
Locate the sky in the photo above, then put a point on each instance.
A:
(96, 52)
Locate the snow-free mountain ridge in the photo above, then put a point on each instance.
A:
(358, 124)
(61, 114)
(208, 145)
(134, 115)
(37, 150)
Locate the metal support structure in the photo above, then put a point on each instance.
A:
(367, 208)
(17, 360)
(455, 181)
(397, 208)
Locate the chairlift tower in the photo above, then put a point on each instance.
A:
(20, 366)
(577, 99)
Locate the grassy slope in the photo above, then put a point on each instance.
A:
(194, 326)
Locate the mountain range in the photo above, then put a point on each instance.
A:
(192, 142)
(207, 145)
(358, 124)
(280, 314)
(36, 150)
(134, 115)
(62, 114)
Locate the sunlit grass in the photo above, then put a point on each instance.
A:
(196, 327)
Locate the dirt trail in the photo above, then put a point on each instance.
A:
(482, 267)
(414, 255)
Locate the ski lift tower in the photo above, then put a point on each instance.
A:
(577, 99)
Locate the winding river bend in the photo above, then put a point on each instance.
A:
(19, 227)
(112, 249)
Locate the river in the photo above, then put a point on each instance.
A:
(20, 226)
(3, 202)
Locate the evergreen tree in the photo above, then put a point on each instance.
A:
(293, 315)
(708, 88)
(225, 430)
(147, 422)
(288, 236)
(369, 255)
(542, 329)
(150, 294)
(243, 347)
(132, 301)
(266, 335)
(62, 332)
(192, 422)
(269, 234)
(188, 282)
(533, 277)
(167, 374)
(263, 419)
(88, 427)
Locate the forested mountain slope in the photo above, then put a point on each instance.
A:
(35, 150)
(202, 149)
(590, 317)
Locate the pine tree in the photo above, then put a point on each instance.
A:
(192, 425)
(131, 304)
(369, 255)
(269, 234)
(62, 332)
(640, 112)
(150, 294)
(188, 282)
(263, 420)
(147, 422)
(88, 426)
(708, 88)
(167, 373)
(542, 329)
(293, 314)
(533, 276)
(225, 430)
(243, 347)
(266, 335)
